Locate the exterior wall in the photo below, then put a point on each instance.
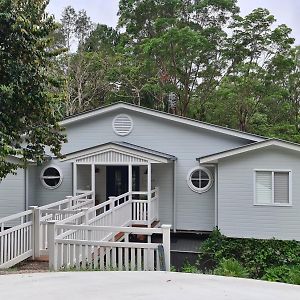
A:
(45, 196)
(238, 216)
(194, 211)
(12, 194)
(31, 185)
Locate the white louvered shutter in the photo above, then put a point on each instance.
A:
(122, 124)
(281, 187)
(263, 187)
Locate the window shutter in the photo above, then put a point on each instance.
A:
(263, 187)
(281, 187)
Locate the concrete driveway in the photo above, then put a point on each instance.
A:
(139, 285)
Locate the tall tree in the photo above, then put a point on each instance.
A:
(28, 122)
(182, 41)
(258, 57)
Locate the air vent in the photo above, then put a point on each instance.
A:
(122, 124)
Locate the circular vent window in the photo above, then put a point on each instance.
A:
(122, 124)
(51, 177)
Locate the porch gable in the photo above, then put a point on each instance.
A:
(118, 153)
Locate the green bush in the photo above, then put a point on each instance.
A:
(287, 274)
(188, 268)
(255, 255)
(231, 267)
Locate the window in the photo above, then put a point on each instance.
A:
(272, 187)
(199, 179)
(51, 177)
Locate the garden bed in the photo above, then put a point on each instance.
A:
(272, 260)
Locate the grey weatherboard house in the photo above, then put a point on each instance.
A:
(207, 176)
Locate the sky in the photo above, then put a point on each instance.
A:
(105, 11)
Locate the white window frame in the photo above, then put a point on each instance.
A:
(42, 177)
(273, 203)
(194, 188)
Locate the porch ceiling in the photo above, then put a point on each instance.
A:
(118, 153)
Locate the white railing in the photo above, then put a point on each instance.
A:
(28, 235)
(16, 242)
(58, 211)
(65, 251)
(114, 212)
(141, 214)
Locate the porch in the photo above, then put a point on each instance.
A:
(118, 168)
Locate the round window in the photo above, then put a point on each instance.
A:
(199, 179)
(51, 177)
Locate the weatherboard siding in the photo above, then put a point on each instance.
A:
(238, 217)
(12, 194)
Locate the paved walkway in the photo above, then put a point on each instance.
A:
(139, 285)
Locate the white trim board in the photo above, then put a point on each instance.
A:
(214, 158)
(143, 157)
(162, 115)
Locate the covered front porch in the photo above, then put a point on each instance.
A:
(120, 173)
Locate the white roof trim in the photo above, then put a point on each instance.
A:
(214, 158)
(162, 115)
(140, 156)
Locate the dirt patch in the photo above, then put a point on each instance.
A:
(27, 266)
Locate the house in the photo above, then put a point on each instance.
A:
(207, 176)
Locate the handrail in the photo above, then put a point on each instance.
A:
(108, 244)
(14, 228)
(121, 196)
(66, 200)
(16, 216)
(137, 230)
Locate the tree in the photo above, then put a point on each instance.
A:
(67, 27)
(258, 61)
(28, 122)
(182, 42)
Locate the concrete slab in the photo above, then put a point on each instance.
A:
(139, 285)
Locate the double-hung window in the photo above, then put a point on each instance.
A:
(272, 187)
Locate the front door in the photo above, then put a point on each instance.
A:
(117, 180)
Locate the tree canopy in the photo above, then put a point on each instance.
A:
(28, 122)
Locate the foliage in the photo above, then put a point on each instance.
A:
(28, 119)
(287, 274)
(189, 268)
(255, 255)
(231, 267)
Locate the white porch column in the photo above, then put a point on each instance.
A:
(149, 194)
(93, 185)
(130, 181)
(74, 178)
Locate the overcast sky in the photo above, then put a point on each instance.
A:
(105, 11)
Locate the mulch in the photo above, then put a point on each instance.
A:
(27, 266)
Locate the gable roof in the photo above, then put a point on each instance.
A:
(162, 115)
(214, 158)
(127, 149)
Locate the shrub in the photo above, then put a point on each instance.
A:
(188, 268)
(231, 267)
(255, 255)
(287, 274)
